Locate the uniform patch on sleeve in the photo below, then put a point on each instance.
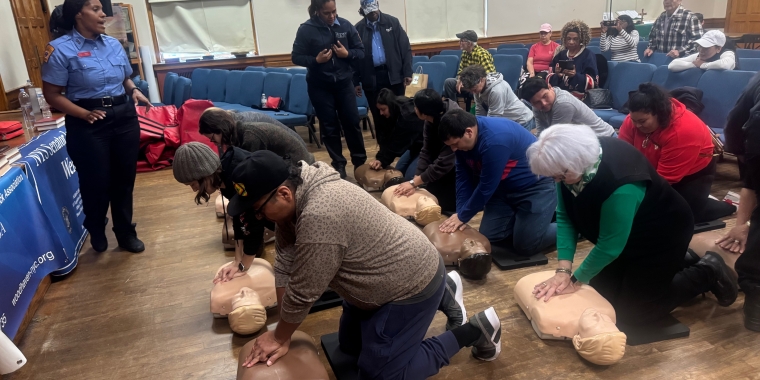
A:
(48, 52)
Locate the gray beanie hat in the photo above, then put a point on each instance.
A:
(194, 161)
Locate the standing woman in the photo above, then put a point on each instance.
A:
(103, 134)
(327, 45)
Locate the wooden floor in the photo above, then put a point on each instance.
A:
(146, 316)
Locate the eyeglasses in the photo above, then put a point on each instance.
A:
(560, 177)
(257, 213)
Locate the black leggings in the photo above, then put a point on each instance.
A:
(695, 189)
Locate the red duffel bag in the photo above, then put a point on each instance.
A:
(158, 137)
(189, 118)
(10, 129)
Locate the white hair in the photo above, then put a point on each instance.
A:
(564, 148)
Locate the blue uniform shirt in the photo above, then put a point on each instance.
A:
(378, 50)
(88, 69)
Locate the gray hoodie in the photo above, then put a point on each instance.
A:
(344, 238)
(498, 100)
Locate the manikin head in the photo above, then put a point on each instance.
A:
(599, 340)
(564, 152)
(469, 250)
(473, 79)
(459, 130)
(428, 211)
(248, 314)
(539, 93)
(374, 180)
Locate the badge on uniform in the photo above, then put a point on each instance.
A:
(49, 49)
(83, 54)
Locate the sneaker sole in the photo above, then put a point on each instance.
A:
(458, 294)
(493, 319)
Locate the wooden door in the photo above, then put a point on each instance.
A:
(31, 20)
(743, 16)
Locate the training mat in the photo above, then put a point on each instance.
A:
(506, 260)
(709, 226)
(343, 365)
(328, 300)
(664, 329)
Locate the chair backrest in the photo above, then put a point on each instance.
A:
(641, 47)
(217, 85)
(523, 52)
(511, 46)
(660, 75)
(299, 101)
(684, 78)
(254, 68)
(593, 43)
(452, 64)
(436, 72)
(251, 87)
(182, 89)
(610, 67)
(657, 59)
(420, 58)
(749, 64)
(626, 77)
(200, 83)
(361, 101)
(747, 53)
(597, 39)
(298, 70)
(276, 69)
(510, 66)
(721, 91)
(458, 53)
(142, 85)
(594, 49)
(234, 82)
(493, 50)
(168, 95)
(277, 84)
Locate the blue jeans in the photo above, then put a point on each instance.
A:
(391, 340)
(523, 216)
(530, 125)
(407, 165)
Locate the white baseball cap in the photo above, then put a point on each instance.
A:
(712, 38)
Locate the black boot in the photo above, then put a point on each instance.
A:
(690, 259)
(751, 306)
(722, 282)
(130, 243)
(98, 240)
(341, 169)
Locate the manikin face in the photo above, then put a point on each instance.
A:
(471, 247)
(278, 208)
(478, 88)
(545, 37)
(245, 297)
(385, 111)
(706, 53)
(328, 13)
(645, 122)
(422, 116)
(373, 16)
(572, 40)
(215, 138)
(466, 45)
(671, 5)
(91, 18)
(544, 100)
(593, 323)
(464, 143)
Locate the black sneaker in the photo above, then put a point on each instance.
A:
(99, 241)
(488, 347)
(724, 285)
(342, 171)
(452, 303)
(131, 243)
(751, 306)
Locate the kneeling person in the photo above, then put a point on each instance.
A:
(332, 233)
(494, 96)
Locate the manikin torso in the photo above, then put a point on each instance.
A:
(300, 363)
(404, 206)
(259, 278)
(376, 180)
(705, 242)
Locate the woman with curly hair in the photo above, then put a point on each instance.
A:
(574, 66)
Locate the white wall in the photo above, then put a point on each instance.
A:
(12, 63)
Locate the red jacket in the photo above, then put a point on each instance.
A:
(682, 148)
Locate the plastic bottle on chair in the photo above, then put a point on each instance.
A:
(263, 101)
(44, 106)
(28, 114)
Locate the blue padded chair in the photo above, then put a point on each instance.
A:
(299, 103)
(255, 68)
(747, 53)
(519, 51)
(721, 90)
(217, 85)
(597, 50)
(436, 72)
(493, 50)
(458, 53)
(298, 70)
(251, 87)
(168, 95)
(596, 39)
(671, 80)
(610, 67)
(641, 47)
(624, 78)
(749, 64)
(420, 58)
(452, 64)
(276, 69)
(511, 46)
(363, 104)
(182, 89)
(657, 59)
(510, 66)
(200, 83)
(232, 90)
(593, 43)
(278, 84)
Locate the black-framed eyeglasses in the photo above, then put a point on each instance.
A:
(257, 213)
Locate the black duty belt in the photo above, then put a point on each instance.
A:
(381, 68)
(108, 101)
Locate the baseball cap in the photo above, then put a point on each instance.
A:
(369, 6)
(256, 176)
(469, 35)
(712, 38)
(546, 28)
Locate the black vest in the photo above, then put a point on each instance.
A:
(662, 216)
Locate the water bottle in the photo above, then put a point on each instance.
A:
(44, 107)
(26, 111)
(263, 101)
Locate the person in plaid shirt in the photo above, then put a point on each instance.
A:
(675, 31)
(472, 54)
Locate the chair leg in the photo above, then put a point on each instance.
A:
(371, 127)
(311, 125)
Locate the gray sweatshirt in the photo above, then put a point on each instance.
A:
(500, 101)
(568, 109)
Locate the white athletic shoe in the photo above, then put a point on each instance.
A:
(488, 347)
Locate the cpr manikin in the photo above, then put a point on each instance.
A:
(301, 362)
(244, 300)
(583, 316)
(469, 249)
(375, 180)
(408, 207)
(11, 358)
(705, 242)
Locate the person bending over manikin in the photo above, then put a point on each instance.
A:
(468, 249)
(583, 316)
(705, 242)
(403, 205)
(376, 180)
(301, 362)
(245, 298)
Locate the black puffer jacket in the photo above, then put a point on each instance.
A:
(313, 36)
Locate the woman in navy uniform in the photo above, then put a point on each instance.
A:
(326, 45)
(103, 134)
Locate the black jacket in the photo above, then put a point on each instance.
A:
(313, 36)
(398, 52)
(436, 158)
(745, 115)
(402, 135)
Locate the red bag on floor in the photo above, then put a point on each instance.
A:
(189, 118)
(10, 129)
(158, 137)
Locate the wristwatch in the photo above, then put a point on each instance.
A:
(242, 267)
(411, 182)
